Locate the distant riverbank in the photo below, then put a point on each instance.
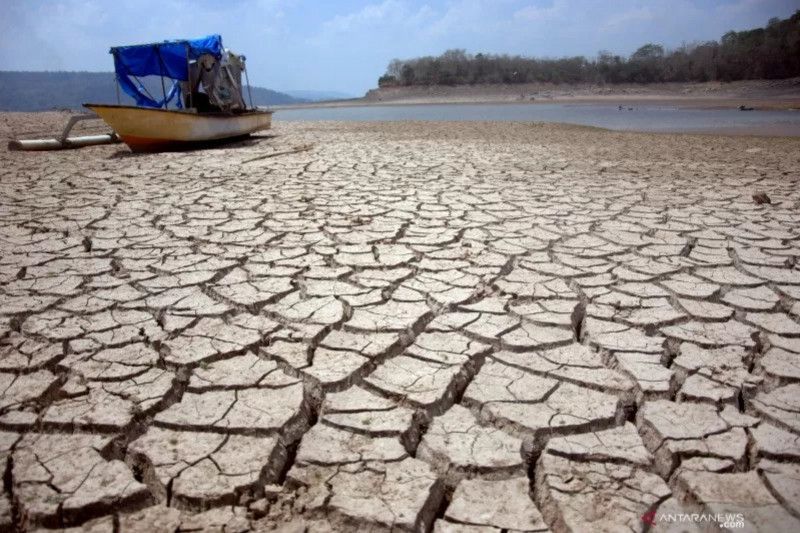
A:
(759, 94)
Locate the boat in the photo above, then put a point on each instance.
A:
(203, 105)
(155, 130)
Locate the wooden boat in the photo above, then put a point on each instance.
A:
(152, 129)
(204, 103)
(206, 97)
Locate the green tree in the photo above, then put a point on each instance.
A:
(772, 52)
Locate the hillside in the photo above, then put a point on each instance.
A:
(318, 96)
(39, 91)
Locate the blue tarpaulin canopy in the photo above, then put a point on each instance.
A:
(168, 59)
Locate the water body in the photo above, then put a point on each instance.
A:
(632, 118)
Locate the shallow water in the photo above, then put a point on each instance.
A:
(637, 118)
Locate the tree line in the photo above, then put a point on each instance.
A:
(772, 52)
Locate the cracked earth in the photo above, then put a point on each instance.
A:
(408, 327)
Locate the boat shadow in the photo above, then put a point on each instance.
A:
(244, 141)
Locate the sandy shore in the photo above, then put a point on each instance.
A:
(410, 326)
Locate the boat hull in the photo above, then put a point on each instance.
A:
(148, 130)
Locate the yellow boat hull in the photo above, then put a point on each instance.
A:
(145, 129)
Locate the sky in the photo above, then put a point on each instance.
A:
(345, 45)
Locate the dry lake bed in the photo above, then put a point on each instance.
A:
(463, 327)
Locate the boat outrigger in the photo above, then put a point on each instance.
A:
(205, 96)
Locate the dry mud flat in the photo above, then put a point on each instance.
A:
(458, 327)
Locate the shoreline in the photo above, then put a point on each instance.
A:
(679, 103)
(784, 122)
(771, 131)
(758, 132)
(48, 123)
(759, 94)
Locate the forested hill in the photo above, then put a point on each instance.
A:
(772, 52)
(38, 91)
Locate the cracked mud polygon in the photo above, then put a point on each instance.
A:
(410, 326)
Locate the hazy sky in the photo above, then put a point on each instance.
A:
(345, 45)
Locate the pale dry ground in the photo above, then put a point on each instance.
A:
(466, 327)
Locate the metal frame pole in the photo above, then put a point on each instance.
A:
(247, 78)
(189, 77)
(161, 69)
(164, 92)
(116, 77)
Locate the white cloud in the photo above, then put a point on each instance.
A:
(539, 13)
(636, 15)
(368, 15)
(390, 21)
